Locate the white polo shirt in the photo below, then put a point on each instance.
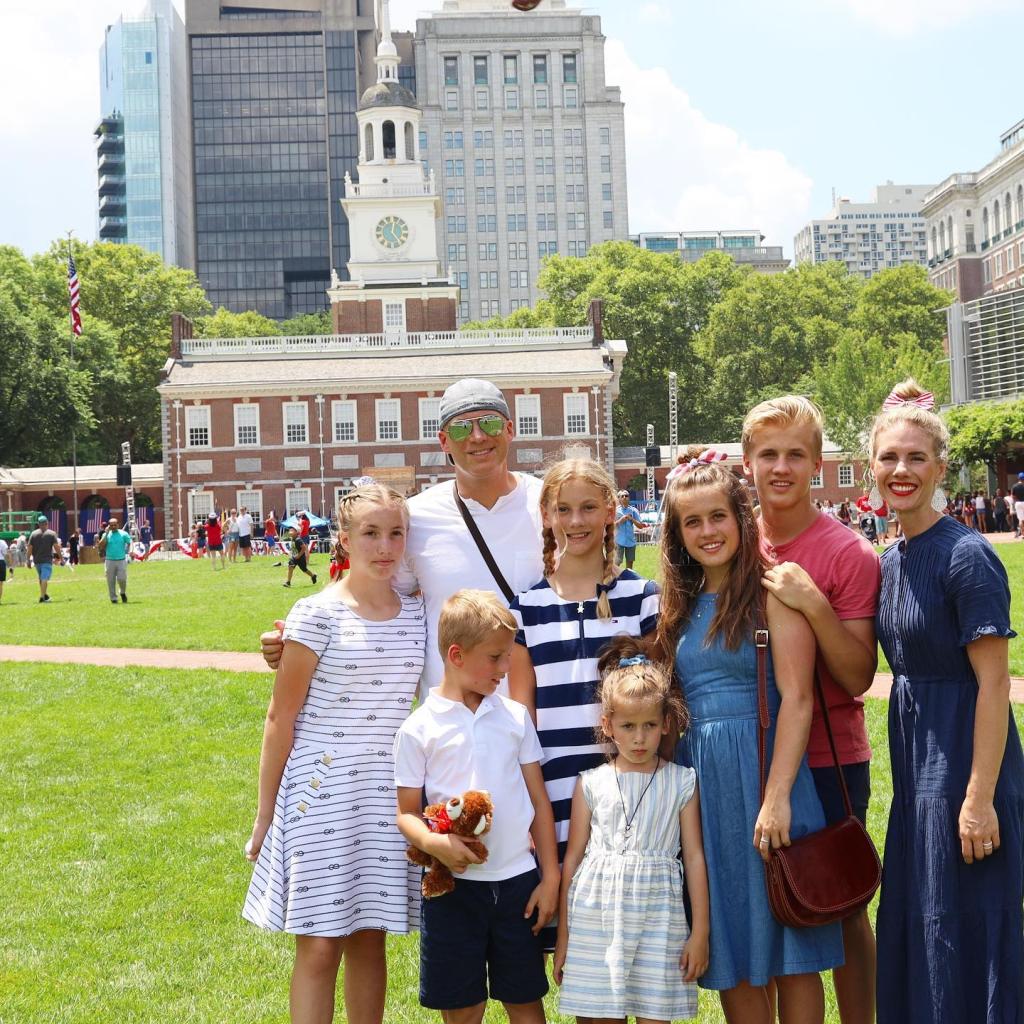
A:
(245, 525)
(445, 749)
(440, 556)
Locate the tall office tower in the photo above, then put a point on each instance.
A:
(143, 137)
(868, 237)
(528, 141)
(274, 90)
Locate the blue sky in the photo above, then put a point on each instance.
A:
(739, 114)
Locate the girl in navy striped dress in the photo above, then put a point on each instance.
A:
(330, 863)
(564, 622)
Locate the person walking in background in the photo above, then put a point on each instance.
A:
(115, 544)
(215, 541)
(979, 512)
(245, 525)
(1017, 492)
(999, 511)
(73, 544)
(43, 545)
(843, 514)
(950, 920)
(626, 521)
(297, 560)
(270, 532)
(3, 566)
(230, 527)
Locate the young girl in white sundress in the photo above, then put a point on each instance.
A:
(624, 947)
(330, 861)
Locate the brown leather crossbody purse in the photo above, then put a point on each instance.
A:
(828, 875)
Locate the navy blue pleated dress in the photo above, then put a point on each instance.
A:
(950, 935)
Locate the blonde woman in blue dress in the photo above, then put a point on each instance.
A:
(624, 948)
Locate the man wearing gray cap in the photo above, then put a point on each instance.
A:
(442, 555)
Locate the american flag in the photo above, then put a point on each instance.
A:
(76, 316)
(94, 519)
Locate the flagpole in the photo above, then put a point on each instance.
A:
(74, 440)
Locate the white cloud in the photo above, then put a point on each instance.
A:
(901, 17)
(654, 14)
(686, 172)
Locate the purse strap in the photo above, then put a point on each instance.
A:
(485, 551)
(764, 720)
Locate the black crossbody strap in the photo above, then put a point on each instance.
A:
(485, 551)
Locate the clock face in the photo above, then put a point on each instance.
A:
(392, 232)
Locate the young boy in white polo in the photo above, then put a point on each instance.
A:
(481, 939)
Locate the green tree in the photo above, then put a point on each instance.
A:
(41, 393)
(982, 431)
(895, 333)
(308, 323)
(127, 298)
(225, 324)
(764, 337)
(655, 303)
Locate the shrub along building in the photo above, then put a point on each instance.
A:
(287, 423)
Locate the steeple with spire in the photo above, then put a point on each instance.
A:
(394, 207)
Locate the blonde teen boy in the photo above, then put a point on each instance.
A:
(831, 575)
(483, 938)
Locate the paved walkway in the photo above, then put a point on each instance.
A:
(233, 661)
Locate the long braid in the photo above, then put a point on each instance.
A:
(549, 551)
(611, 570)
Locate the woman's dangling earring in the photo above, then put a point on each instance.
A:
(875, 496)
(939, 502)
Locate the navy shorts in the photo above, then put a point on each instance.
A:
(475, 940)
(858, 784)
(3, 570)
(245, 542)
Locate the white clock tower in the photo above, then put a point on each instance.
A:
(392, 213)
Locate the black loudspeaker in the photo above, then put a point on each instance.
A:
(652, 456)
(124, 476)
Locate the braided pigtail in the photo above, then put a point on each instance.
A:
(611, 570)
(549, 551)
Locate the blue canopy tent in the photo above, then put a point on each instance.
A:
(314, 521)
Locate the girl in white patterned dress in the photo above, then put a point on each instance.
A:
(624, 948)
(330, 861)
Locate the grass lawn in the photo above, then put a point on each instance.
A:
(127, 796)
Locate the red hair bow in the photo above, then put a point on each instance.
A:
(923, 401)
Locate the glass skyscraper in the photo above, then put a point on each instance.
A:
(274, 95)
(144, 176)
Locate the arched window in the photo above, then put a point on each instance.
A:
(368, 144)
(388, 140)
(1008, 211)
(984, 225)
(996, 221)
(410, 145)
(949, 233)
(935, 241)
(1020, 204)
(942, 240)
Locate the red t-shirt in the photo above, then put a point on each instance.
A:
(303, 527)
(214, 535)
(863, 503)
(270, 528)
(846, 570)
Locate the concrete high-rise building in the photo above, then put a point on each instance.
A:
(743, 246)
(527, 139)
(143, 137)
(975, 224)
(868, 237)
(274, 92)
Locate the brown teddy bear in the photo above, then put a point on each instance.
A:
(468, 817)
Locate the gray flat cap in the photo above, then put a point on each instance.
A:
(471, 395)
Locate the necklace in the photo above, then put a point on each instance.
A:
(630, 818)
